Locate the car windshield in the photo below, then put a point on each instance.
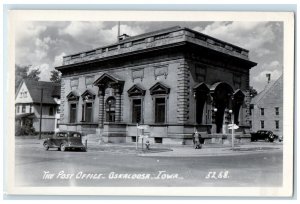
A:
(61, 134)
(75, 135)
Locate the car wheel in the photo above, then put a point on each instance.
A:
(267, 139)
(46, 146)
(62, 147)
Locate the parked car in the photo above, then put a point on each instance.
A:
(64, 140)
(266, 135)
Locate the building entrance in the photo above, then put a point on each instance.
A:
(222, 96)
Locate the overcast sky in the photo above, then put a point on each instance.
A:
(43, 44)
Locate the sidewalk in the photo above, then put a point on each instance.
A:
(217, 150)
(167, 150)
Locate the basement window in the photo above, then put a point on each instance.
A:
(158, 140)
(133, 139)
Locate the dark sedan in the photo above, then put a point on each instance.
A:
(65, 140)
(266, 135)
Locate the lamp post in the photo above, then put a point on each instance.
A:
(137, 135)
(215, 118)
(232, 129)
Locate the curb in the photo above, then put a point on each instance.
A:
(219, 154)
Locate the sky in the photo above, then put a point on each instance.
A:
(43, 44)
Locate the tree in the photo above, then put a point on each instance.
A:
(21, 72)
(34, 74)
(253, 92)
(55, 76)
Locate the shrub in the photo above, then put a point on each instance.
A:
(26, 129)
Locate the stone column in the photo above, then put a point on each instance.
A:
(62, 102)
(246, 107)
(247, 100)
(118, 106)
(101, 106)
(182, 92)
(209, 109)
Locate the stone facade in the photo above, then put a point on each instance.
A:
(171, 80)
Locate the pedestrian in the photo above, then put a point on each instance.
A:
(147, 145)
(196, 139)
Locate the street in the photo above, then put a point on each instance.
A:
(96, 167)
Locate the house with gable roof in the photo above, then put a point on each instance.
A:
(28, 100)
(267, 108)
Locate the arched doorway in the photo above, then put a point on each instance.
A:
(222, 99)
(238, 100)
(104, 82)
(201, 94)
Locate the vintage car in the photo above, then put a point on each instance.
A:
(266, 135)
(64, 140)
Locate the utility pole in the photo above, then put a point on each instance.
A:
(41, 113)
(232, 131)
(137, 136)
(232, 126)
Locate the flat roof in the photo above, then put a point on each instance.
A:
(155, 39)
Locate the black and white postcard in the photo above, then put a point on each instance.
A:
(135, 102)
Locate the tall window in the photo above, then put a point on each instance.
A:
(262, 124)
(51, 111)
(30, 109)
(110, 109)
(160, 110)
(136, 110)
(88, 112)
(73, 101)
(138, 94)
(87, 107)
(262, 111)
(18, 109)
(73, 112)
(23, 108)
(160, 92)
(277, 124)
(276, 110)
